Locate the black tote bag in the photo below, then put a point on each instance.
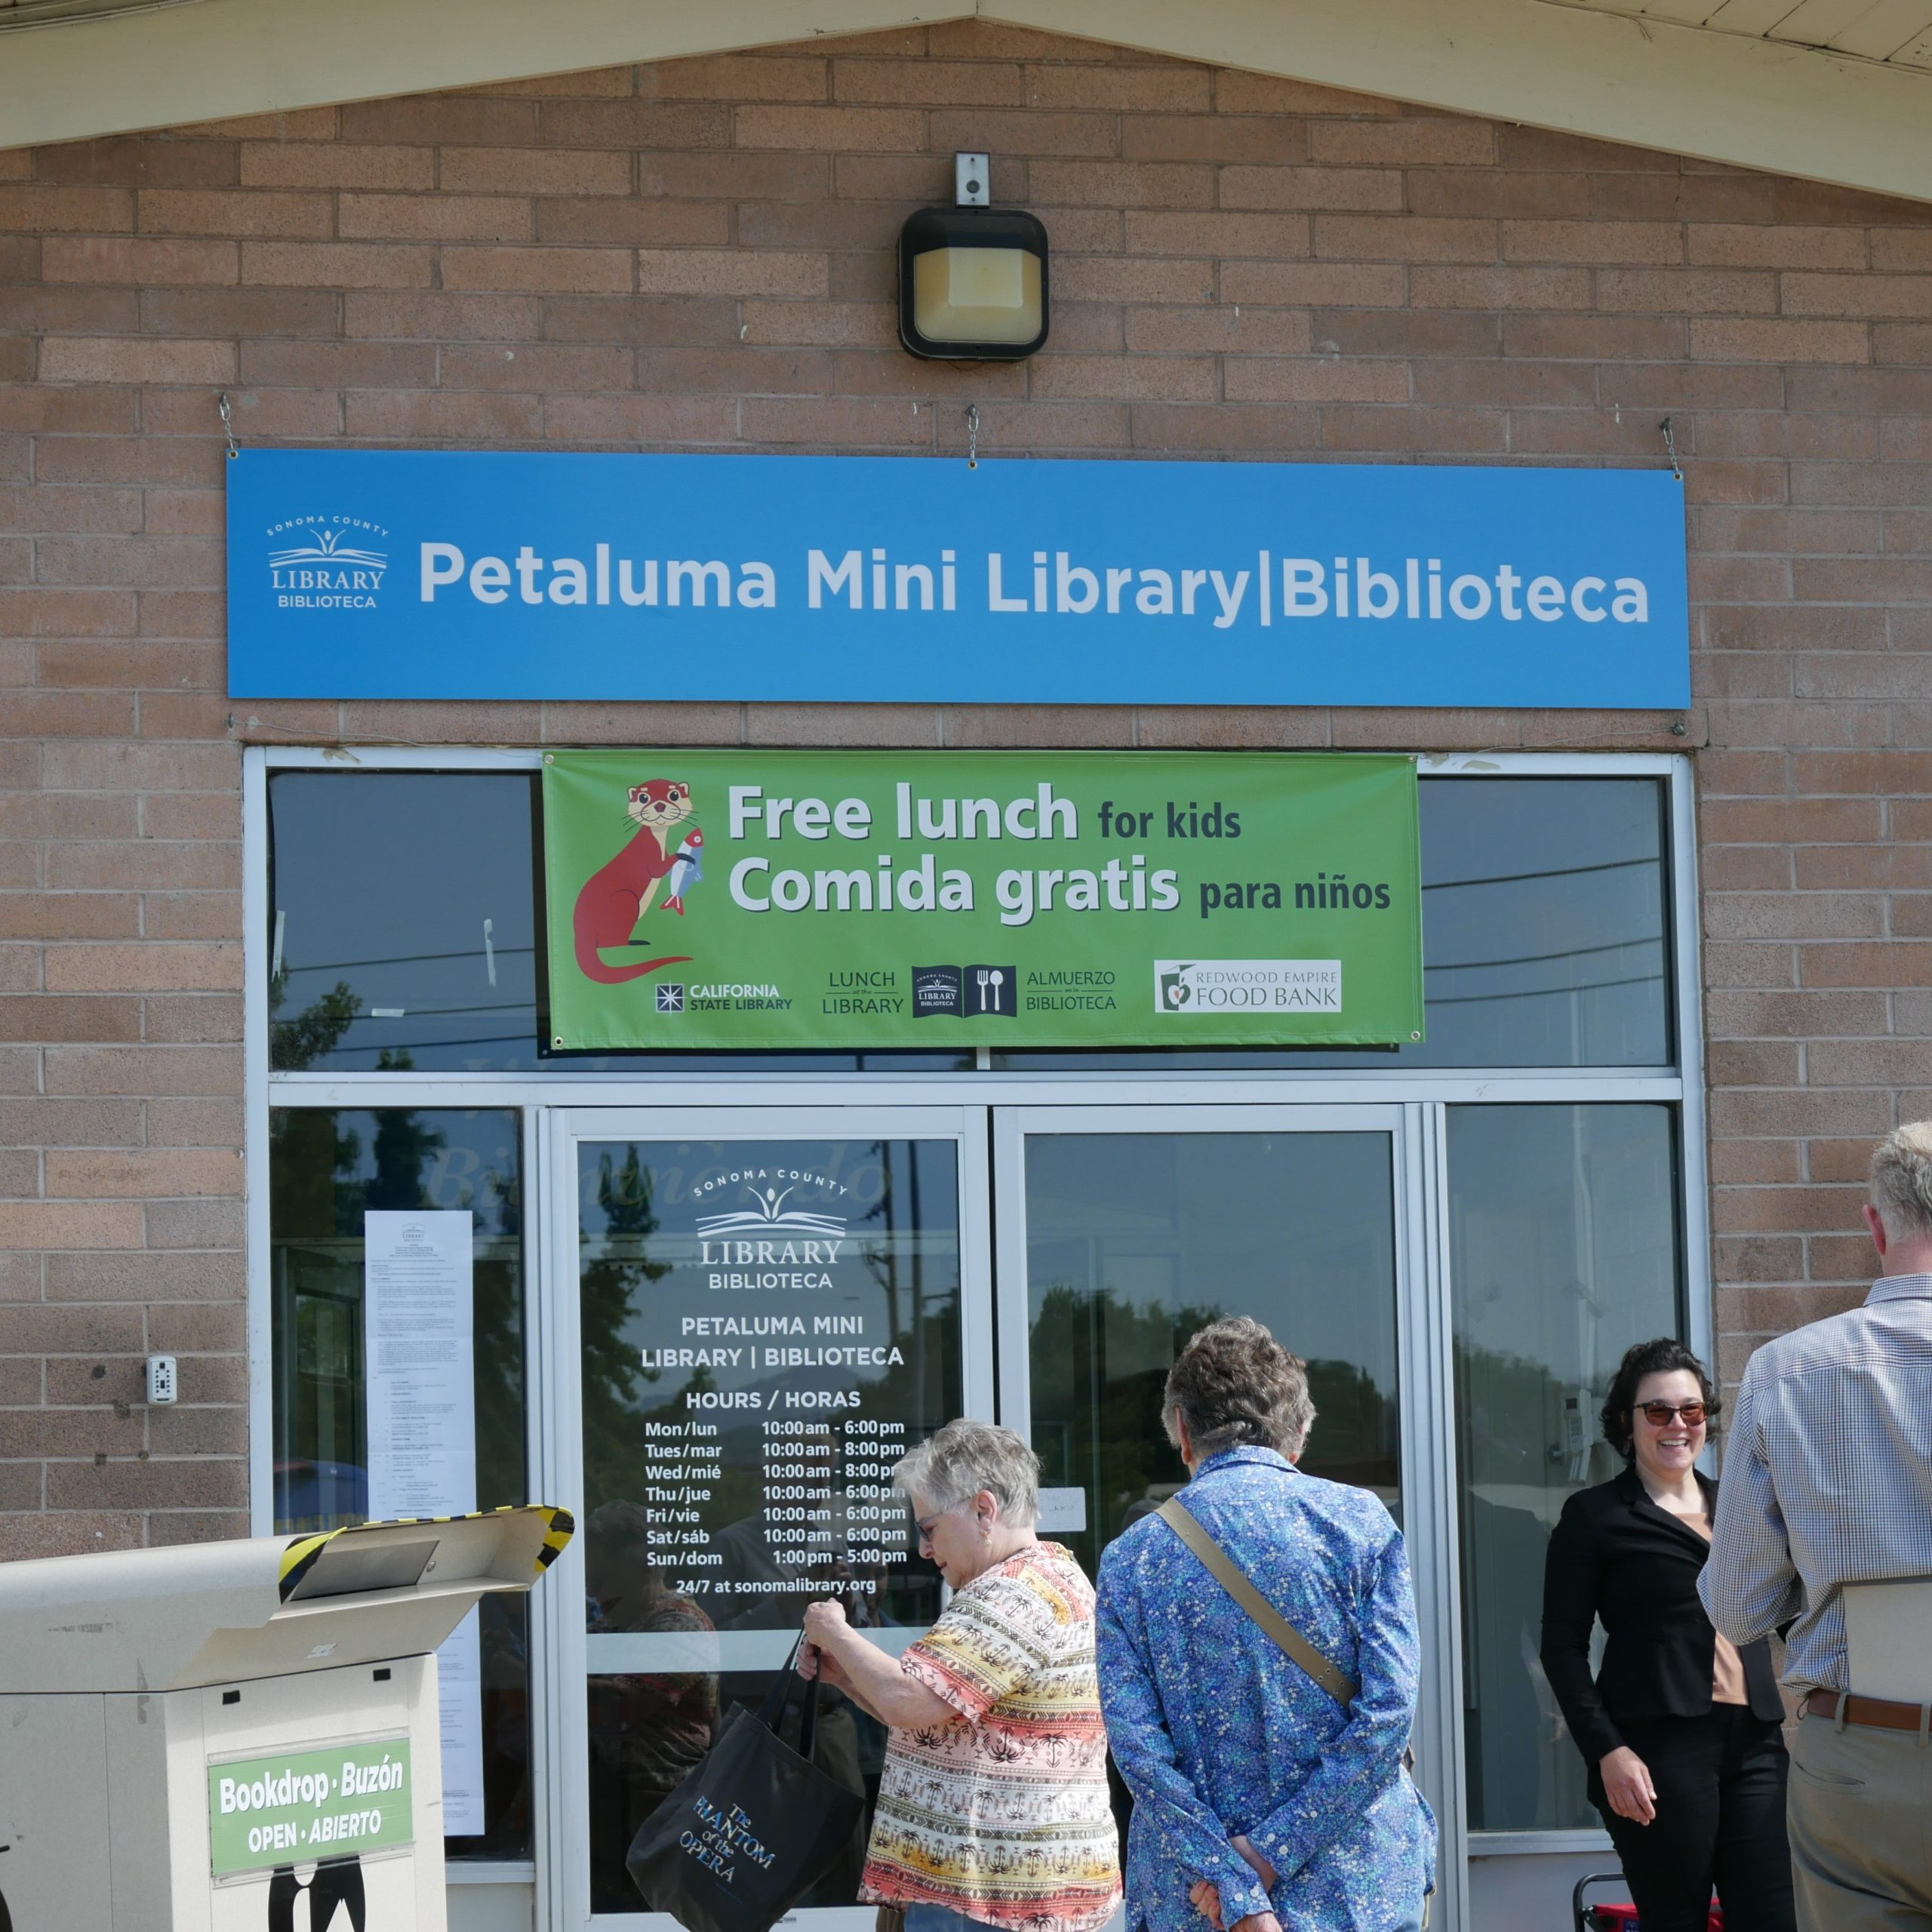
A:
(751, 1829)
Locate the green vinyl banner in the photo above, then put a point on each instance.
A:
(869, 900)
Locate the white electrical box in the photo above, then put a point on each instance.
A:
(202, 1738)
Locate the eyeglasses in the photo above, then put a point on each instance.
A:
(925, 1527)
(1660, 1414)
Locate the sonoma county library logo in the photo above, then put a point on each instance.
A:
(326, 563)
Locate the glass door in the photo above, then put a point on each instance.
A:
(1124, 1228)
(764, 1308)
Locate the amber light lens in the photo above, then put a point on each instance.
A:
(977, 295)
(973, 284)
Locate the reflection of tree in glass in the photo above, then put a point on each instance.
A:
(305, 1037)
(1100, 1365)
(612, 1273)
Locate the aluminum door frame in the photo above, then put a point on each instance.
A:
(1424, 1367)
(560, 1735)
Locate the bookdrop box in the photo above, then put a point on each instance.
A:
(191, 1738)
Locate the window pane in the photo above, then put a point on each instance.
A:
(327, 1169)
(767, 1327)
(403, 926)
(1545, 939)
(1135, 1241)
(1563, 1251)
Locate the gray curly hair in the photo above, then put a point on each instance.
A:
(1234, 1384)
(965, 1457)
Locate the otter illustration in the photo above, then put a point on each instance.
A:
(615, 898)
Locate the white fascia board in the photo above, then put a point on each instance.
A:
(1680, 90)
(1719, 97)
(216, 59)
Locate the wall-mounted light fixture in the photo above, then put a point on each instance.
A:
(973, 278)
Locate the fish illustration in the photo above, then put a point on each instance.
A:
(686, 870)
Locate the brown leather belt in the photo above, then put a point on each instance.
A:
(1879, 1712)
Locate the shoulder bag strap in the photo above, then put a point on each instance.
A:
(1182, 1520)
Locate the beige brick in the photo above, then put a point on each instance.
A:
(239, 212)
(734, 77)
(1123, 183)
(1594, 242)
(42, 210)
(336, 265)
(1404, 239)
(1780, 341)
(52, 1224)
(111, 359)
(1873, 295)
(1500, 287)
(147, 968)
(1420, 142)
(1166, 88)
(1125, 378)
(1776, 245)
(73, 1174)
(1314, 188)
(1314, 284)
(570, 270)
(1273, 379)
(731, 271)
(335, 165)
(435, 217)
(836, 129)
(145, 263)
(533, 171)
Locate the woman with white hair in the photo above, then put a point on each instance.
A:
(993, 1806)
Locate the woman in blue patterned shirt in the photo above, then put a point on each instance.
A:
(1260, 1803)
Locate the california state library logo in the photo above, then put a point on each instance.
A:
(326, 563)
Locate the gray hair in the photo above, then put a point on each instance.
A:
(965, 1457)
(1234, 1384)
(1902, 1181)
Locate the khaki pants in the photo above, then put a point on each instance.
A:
(1859, 1811)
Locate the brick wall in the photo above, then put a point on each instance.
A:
(698, 256)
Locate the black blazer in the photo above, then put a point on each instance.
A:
(1617, 1557)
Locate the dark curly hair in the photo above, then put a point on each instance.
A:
(1662, 1357)
(1234, 1384)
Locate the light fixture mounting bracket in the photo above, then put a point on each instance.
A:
(972, 182)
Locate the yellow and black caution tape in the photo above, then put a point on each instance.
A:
(299, 1557)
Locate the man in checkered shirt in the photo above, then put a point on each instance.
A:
(1828, 1480)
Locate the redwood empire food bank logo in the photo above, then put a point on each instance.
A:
(326, 563)
(1247, 985)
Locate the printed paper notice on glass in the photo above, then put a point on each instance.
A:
(419, 1340)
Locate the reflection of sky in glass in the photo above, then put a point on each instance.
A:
(1133, 1240)
(1544, 922)
(414, 890)
(1295, 1229)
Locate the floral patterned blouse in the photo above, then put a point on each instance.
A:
(1218, 1734)
(1002, 1813)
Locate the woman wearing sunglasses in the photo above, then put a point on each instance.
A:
(1680, 1731)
